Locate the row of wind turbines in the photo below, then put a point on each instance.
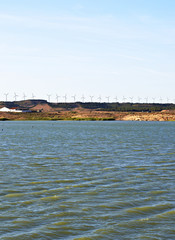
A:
(92, 98)
(15, 96)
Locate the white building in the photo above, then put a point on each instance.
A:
(5, 109)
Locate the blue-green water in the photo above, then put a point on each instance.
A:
(87, 180)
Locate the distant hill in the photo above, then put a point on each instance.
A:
(25, 104)
(44, 106)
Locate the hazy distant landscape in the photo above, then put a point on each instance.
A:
(43, 110)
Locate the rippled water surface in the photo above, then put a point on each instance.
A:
(87, 180)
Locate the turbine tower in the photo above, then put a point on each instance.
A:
(131, 98)
(83, 98)
(99, 98)
(57, 97)
(124, 99)
(116, 98)
(153, 98)
(146, 99)
(6, 95)
(15, 96)
(33, 96)
(160, 99)
(108, 98)
(49, 95)
(139, 99)
(74, 97)
(65, 98)
(91, 97)
(24, 96)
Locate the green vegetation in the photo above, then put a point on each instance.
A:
(4, 119)
(119, 107)
(93, 119)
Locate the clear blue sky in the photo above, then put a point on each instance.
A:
(91, 47)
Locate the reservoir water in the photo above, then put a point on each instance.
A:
(87, 180)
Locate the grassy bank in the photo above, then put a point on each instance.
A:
(92, 115)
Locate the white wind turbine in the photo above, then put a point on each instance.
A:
(57, 97)
(33, 96)
(91, 97)
(116, 98)
(65, 98)
(83, 98)
(146, 99)
(6, 95)
(124, 99)
(24, 96)
(99, 98)
(15, 96)
(107, 98)
(153, 98)
(131, 98)
(74, 97)
(49, 95)
(139, 99)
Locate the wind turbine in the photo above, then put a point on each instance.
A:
(153, 98)
(49, 95)
(167, 100)
(65, 97)
(99, 98)
(33, 96)
(6, 94)
(116, 98)
(24, 96)
(160, 99)
(139, 99)
(124, 99)
(146, 99)
(108, 98)
(91, 97)
(74, 97)
(15, 96)
(57, 97)
(83, 98)
(131, 98)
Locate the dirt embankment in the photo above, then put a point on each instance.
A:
(88, 114)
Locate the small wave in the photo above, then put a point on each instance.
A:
(167, 214)
(62, 223)
(109, 207)
(149, 209)
(83, 238)
(22, 222)
(158, 192)
(64, 215)
(54, 181)
(91, 193)
(14, 195)
(5, 207)
(107, 232)
(50, 198)
(28, 202)
(8, 217)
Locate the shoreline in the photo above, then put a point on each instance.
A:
(89, 115)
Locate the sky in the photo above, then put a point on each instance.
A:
(111, 50)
